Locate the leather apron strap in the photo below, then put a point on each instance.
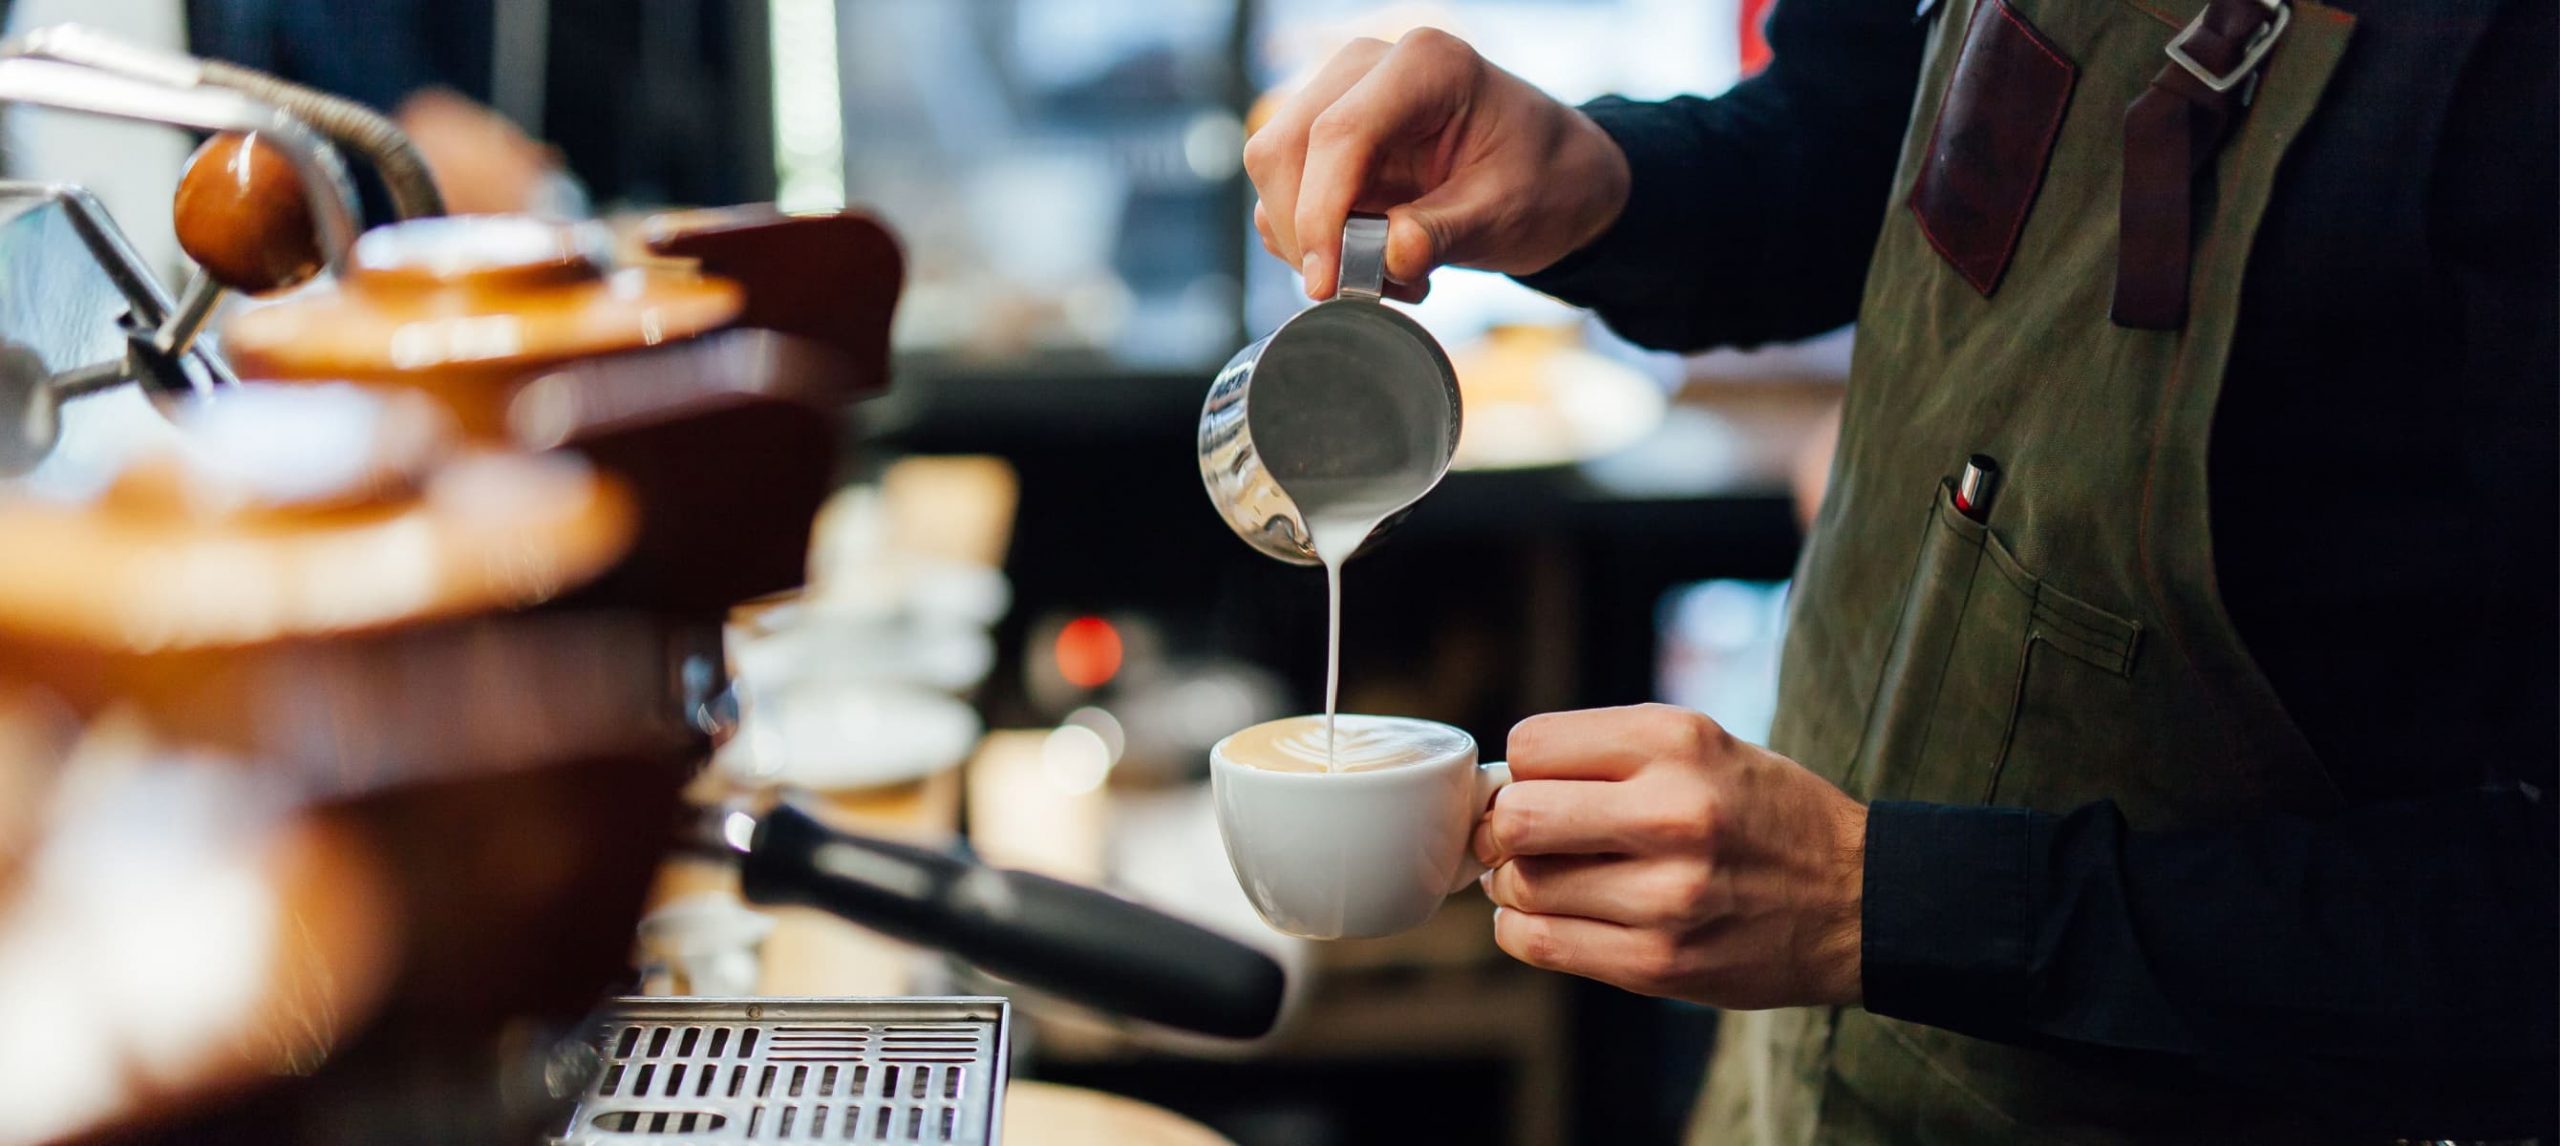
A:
(2173, 129)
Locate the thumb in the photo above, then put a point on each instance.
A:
(1442, 227)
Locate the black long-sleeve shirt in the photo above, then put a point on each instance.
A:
(2385, 521)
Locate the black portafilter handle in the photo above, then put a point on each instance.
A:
(1073, 942)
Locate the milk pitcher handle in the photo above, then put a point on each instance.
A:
(1364, 258)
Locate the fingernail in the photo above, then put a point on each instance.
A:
(1307, 270)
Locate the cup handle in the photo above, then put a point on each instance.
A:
(1490, 777)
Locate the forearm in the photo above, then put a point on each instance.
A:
(2396, 961)
(1751, 216)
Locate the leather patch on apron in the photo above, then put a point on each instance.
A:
(1988, 149)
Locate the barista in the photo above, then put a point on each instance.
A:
(2194, 784)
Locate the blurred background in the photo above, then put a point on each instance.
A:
(1025, 625)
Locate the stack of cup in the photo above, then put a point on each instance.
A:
(859, 679)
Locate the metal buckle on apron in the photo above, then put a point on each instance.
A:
(2280, 16)
(2172, 131)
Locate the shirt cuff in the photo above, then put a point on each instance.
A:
(1659, 163)
(1948, 931)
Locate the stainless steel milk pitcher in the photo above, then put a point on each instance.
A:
(1348, 400)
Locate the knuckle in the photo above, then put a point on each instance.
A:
(1509, 828)
(1681, 820)
(1691, 734)
(1529, 737)
(1363, 47)
(1436, 42)
(1261, 151)
(1433, 228)
(1692, 895)
(1332, 128)
(1662, 724)
(1676, 828)
(1314, 232)
(1532, 942)
(1661, 961)
(1705, 814)
(1706, 820)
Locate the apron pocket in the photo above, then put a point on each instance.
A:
(2065, 640)
(1988, 149)
(1943, 700)
(1975, 648)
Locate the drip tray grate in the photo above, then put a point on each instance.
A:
(710, 1072)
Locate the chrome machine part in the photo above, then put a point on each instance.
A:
(714, 1071)
(80, 314)
(68, 339)
(26, 79)
(343, 121)
(1346, 399)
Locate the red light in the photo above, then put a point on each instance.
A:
(1088, 652)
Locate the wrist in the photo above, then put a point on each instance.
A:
(1839, 962)
(1605, 171)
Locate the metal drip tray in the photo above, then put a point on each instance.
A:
(707, 1072)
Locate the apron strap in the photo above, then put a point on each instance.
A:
(2171, 130)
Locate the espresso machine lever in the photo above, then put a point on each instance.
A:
(305, 191)
(339, 120)
(70, 87)
(263, 205)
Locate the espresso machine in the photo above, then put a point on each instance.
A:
(357, 669)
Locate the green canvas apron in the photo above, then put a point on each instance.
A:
(2074, 647)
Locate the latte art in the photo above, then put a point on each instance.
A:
(1359, 743)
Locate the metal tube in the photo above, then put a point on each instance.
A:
(195, 307)
(359, 128)
(73, 44)
(348, 123)
(70, 87)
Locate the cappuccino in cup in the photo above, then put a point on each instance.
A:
(1355, 744)
(1361, 840)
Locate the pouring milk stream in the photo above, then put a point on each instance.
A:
(1337, 532)
(1326, 431)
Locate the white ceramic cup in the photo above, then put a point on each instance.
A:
(1355, 854)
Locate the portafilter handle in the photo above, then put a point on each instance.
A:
(1074, 942)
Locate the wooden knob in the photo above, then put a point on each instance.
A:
(242, 216)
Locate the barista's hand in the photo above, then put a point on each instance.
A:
(1472, 166)
(1647, 848)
